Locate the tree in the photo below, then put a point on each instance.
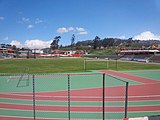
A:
(96, 42)
(72, 41)
(110, 42)
(14, 47)
(130, 40)
(54, 45)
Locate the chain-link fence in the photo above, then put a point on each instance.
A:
(63, 97)
(16, 96)
(116, 97)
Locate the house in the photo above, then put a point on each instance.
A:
(37, 52)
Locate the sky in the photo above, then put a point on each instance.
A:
(35, 23)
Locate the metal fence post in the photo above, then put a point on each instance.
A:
(126, 100)
(103, 97)
(69, 105)
(34, 107)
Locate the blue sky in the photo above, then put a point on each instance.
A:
(34, 23)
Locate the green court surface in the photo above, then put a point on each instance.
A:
(152, 74)
(73, 115)
(59, 83)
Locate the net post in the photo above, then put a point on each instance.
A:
(69, 105)
(34, 53)
(103, 102)
(116, 64)
(28, 76)
(19, 80)
(34, 105)
(84, 65)
(28, 80)
(126, 100)
(108, 63)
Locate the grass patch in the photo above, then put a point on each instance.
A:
(66, 65)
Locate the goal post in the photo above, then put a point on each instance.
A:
(103, 62)
(23, 80)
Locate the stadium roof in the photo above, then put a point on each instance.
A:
(140, 51)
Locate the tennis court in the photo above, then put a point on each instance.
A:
(79, 96)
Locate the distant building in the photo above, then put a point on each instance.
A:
(1, 55)
(139, 52)
(37, 51)
(23, 53)
(7, 51)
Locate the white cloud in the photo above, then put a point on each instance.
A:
(26, 20)
(32, 44)
(37, 21)
(1, 18)
(147, 35)
(71, 29)
(16, 43)
(119, 37)
(81, 31)
(78, 30)
(62, 30)
(122, 37)
(30, 26)
(37, 44)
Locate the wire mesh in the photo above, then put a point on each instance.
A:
(51, 96)
(86, 96)
(115, 98)
(144, 99)
(15, 102)
(62, 96)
